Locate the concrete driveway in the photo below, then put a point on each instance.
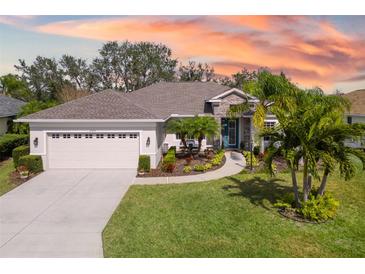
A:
(61, 213)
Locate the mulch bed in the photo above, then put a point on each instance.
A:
(295, 216)
(15, 178)
(180, 163)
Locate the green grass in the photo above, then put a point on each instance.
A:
(6, 167)
(232, 217)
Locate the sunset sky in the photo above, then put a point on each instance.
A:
(325, 51)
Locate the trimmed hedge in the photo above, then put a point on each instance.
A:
(18, 152)
(169, 161)
(32, 162)
(144, 163)
(10, 141)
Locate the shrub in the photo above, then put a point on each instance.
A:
(256, 150)
(217, 159)
(32, 162)
(286, 201)
(247, 155)
(168, 162)
(187, 169)
(10, 141)
(18, 152)
(144, 163)
(199, 168)
(207, 166)
(319, 208)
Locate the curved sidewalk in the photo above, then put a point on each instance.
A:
(232, 166)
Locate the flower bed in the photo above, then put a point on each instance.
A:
(187, 165)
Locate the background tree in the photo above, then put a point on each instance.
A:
(12, 85)
(130, 66)
(195, 72)
(44, 77)
(69, 93)
(78, 73)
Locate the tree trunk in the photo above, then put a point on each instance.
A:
(295, 188)
(183, 141)
(200, 139)
(305, 180)
(322, 187)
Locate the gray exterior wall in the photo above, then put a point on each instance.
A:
(220, 110)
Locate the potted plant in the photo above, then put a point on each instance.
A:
(23, 172)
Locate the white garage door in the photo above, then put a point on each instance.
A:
(93, 150)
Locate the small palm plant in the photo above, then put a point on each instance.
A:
(204, 126)
(182, 127)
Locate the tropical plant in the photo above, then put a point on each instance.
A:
(269, 89)
(183, 127)
(202, 127)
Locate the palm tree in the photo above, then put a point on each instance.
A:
(183, 127)
(204, 126)
(269, 89)
(332, 150)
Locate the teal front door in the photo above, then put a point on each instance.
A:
(230, 132)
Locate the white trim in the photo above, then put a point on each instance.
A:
(233, 90)
(20, 120)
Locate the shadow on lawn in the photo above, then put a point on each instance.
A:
(258, 190)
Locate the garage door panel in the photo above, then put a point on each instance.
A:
(92, 152)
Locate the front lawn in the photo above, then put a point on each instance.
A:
(6, 168)
(232, 217)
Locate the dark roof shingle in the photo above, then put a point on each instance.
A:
(157, 101)
(9, 106)
(108, 104)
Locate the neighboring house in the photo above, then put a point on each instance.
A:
(9, 108)
(111, 129)
(357, 113)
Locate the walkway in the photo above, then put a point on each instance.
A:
(235, 162)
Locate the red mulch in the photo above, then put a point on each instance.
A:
(180, 164)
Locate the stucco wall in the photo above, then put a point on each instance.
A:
(145, 130)
(3, 125)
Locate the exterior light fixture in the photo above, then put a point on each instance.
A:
(35, 141)
(148, 142)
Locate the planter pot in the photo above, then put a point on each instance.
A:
(140, 172)
(24, 175)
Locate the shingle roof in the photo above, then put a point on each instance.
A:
(9, 106)
(166, 98)
(157, 101)
(357, 99)
(108, 104)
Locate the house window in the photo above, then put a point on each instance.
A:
(88, 136)
(55, 136)
(66, 136)
(177, 136)
(269, 124)
(77, 136)
(99, 136)
(111, 136)
(349, 120)
(133, 135)
(122, 136)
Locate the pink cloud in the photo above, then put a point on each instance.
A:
(311, 51)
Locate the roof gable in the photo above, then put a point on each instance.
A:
(236, 91)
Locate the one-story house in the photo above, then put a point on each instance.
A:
(9, 108)
(356, 113)
(110, 129)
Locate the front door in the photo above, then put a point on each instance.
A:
(230, 132)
